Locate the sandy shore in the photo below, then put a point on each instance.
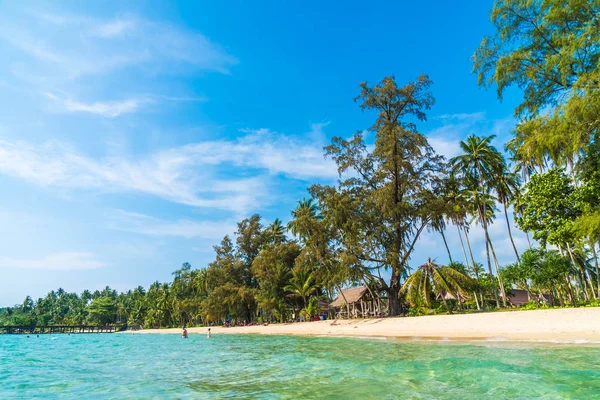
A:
(574, 324)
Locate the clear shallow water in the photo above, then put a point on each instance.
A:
(278, 367)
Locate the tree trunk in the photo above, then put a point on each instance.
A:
(462, 244)
(597, 269)
(393, 300)
(500, 283)
(471, 253)
(446, 244)
(489, 263)
(446, 303)
(483, 217)
(582, 279)
(394, 306)
(474, 266)
(345, 301)
(458, 301)
(509, 231)
(528, 241)
(570, 289)
(476, 301)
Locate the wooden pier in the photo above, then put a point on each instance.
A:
(40, 330)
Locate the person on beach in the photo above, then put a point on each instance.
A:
(208, 334)
(184, 334)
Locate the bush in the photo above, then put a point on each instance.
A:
(534, 305)
(417, 311)
(593, 303)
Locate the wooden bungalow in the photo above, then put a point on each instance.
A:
(519, 297)
(357, 302)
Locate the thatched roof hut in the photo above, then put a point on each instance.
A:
(355, 302)
(349, 296)
(519, 297)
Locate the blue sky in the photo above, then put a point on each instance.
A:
(134, 135)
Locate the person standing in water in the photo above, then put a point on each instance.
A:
(184, 334)
(208, 334)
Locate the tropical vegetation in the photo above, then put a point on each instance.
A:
(394, 187)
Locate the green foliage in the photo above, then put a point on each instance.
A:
(387, 193)
(548, 48)
(417, 311)
(393, 188)
(549, 208)
(533, 305)
(594, 303)
(102, 311)
(430, 279)
(541, 272)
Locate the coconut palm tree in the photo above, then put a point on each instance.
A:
(483, 211)
(275, 232)
(477, 164)
(302, 285)
(305, 212)
(457, 205)
(440, 280)
(478, 160)
(523, 163)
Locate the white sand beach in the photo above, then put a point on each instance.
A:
(571, 324)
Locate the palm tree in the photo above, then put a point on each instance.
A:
(506, 185)
(275, 232)
(305, 212)
(457, 201)
(477, 164)
(483, 211)
(521, 159)
(432, 278)
(302, 285)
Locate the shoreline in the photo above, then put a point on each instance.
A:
(567, 325)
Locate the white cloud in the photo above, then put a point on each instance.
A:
(83, 45)
(109, 109)
(113, 28)
(224, 174)
(447, 147)
(65, 261)
(146, 225)
(112, 109)
(476, 116)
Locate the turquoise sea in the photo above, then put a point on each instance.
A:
(128, 366)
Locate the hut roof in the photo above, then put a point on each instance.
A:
(324, 305)
(450, 296)
(352, 295)
(518, 297)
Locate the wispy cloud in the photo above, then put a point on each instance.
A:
(146, 225)
(224, 174)
(476, 116)
(65, 261)
(83, 45)
(115, 28)
(115, 108)
(109, 109)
